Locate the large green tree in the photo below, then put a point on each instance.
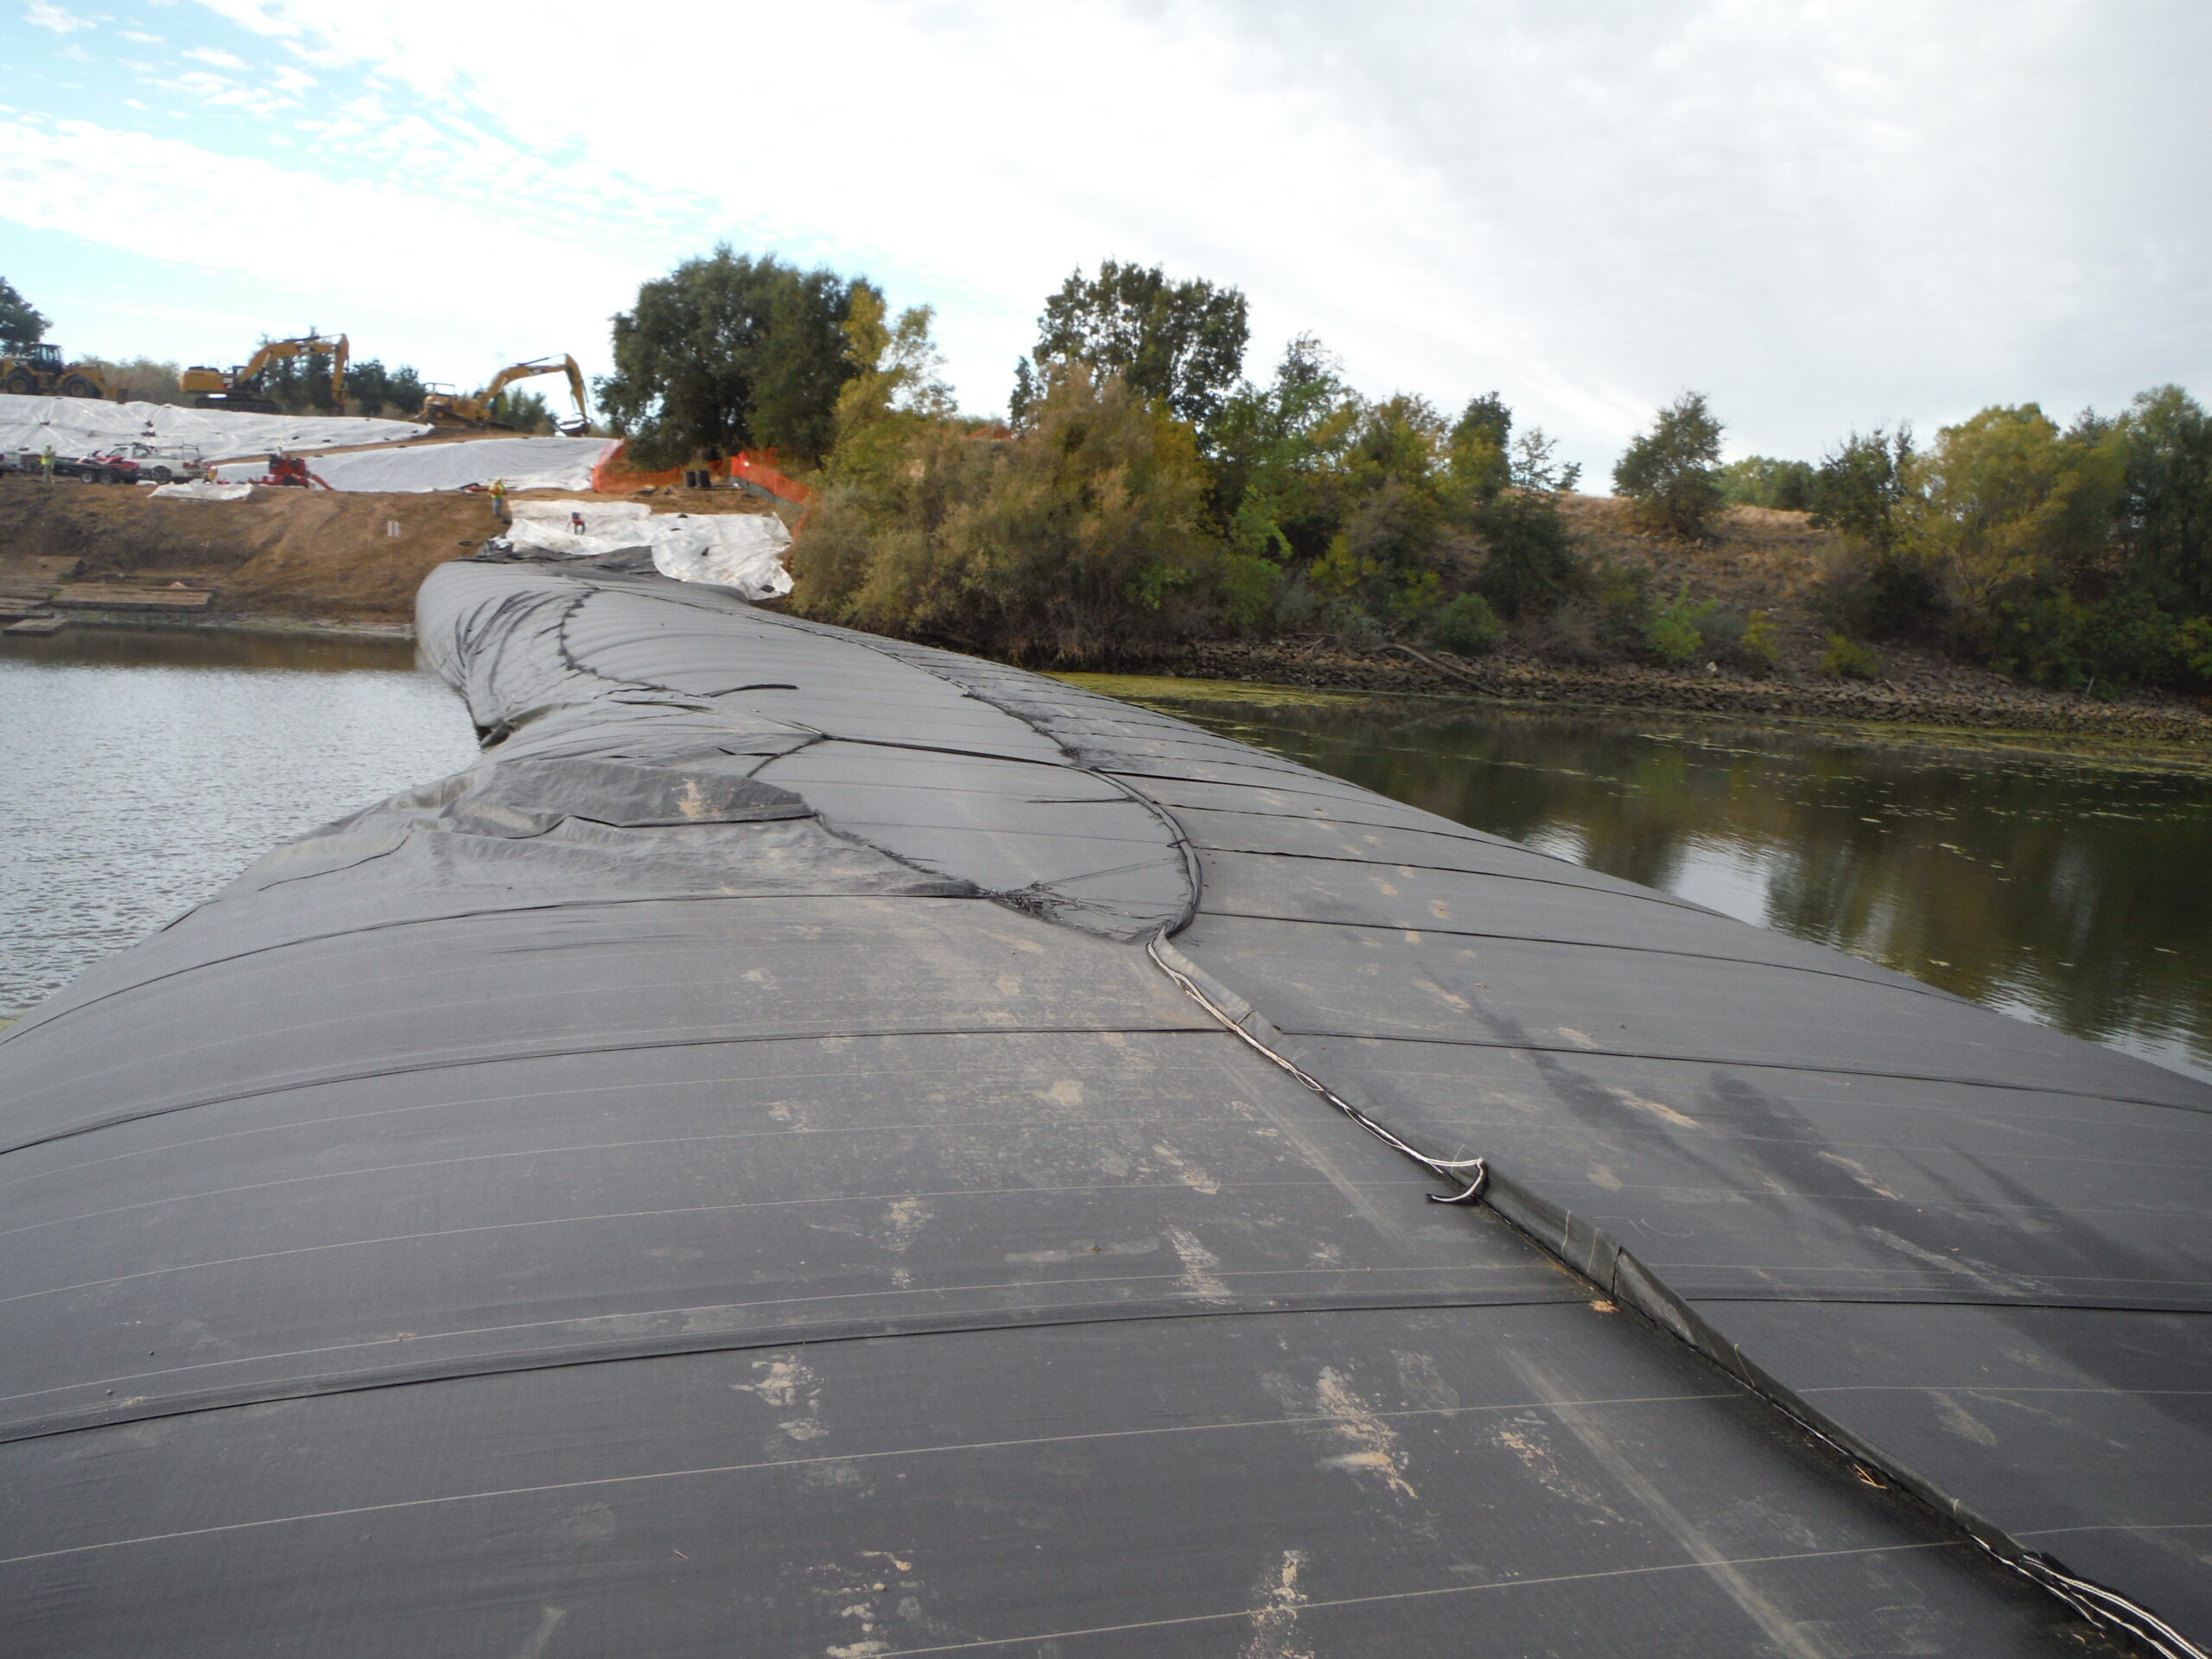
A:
(2009, 500)
(371, 389)
(730, 353)
(21, 322)
(1672, 472)
(2166, 505)
(1180, 343)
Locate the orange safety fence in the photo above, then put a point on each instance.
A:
(610, 474)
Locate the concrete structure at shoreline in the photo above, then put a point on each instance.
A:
(821, 1146)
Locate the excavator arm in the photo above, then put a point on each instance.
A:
(562, 365)
(476, 410)
(231, 389)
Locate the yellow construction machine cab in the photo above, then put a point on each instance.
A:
(41, 370)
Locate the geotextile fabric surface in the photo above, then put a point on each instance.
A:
(821, 1146)
(740, 551)
(80, 426)
(418, 469)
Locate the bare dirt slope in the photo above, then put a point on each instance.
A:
(1756, 559)
(305, 554)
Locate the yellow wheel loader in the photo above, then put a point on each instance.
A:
(43, 371)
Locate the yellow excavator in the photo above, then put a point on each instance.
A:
(448, 408)
(240, 388)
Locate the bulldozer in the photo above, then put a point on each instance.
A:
(445, 407)
(41, 371)
(240, 388)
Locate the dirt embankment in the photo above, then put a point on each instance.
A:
(314, 557)
(303, 556)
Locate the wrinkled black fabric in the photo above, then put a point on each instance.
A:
(724, 1174)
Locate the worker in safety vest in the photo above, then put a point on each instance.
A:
(46, 461)
(499, 499)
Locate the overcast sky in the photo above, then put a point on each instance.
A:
(1823, 215)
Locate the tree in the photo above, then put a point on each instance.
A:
(2011, 501)
(1763, 481)
(895, 389)
(2166, 503)
(1181, 343)
(1064, 544)
(1862, 486)
(1276, 452)
(1531, 563)
(1869, 488)
(372, 390)
(1671, 473)
(1478, 445)
(731, 353)
(1533, 467)
(521, 410)
(21, 323)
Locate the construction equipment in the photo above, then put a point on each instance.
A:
(291, 471)
(448, 408)
(240, 388)
(43, 371)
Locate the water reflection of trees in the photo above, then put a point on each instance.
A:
(2080, 892)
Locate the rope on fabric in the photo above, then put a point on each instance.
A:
(1471, 1175)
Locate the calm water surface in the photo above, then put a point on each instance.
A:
(2074, 889)
(143, 770)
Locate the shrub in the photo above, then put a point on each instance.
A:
(1081, 537)
(1466, 626)
(1359, 630)
(2054, 639)
(1530, 564)
(2197, 647)
(1571, 633)
(1871, 595)
(1671, 633)
(1847, 659)
(1249, 587)
(1758, 651)
(1622, 596)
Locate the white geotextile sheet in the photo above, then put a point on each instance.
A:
(417, 469)
(198, 491)
(78, 426)
(744, 550)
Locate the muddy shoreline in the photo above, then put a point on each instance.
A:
(1915, 691)
(1930, 694)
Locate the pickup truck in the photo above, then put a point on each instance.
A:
(134, 463)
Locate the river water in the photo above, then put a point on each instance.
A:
(143, 770)
(2071, 888)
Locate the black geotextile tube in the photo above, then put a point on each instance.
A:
(1616, 1273)
(819, 1144)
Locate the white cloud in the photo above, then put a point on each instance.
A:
(218, 58)
(167, 200)
(1822, 216)
(42, 15)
